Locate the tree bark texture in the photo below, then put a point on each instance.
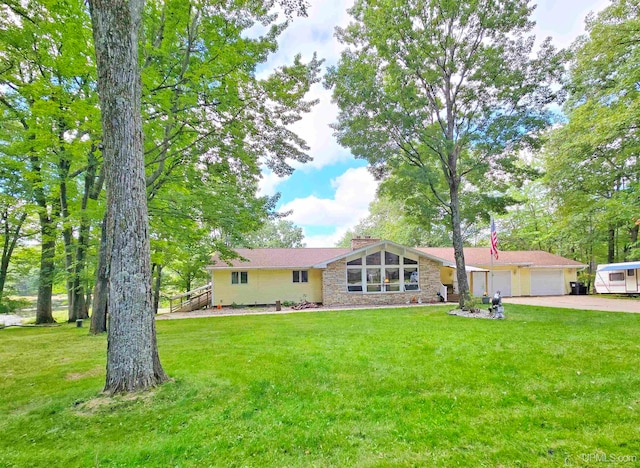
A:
(132, 358)
(101, 289)
(47, 267)
(458, 245)
(67, 237)
(611, 245)
(156, 291)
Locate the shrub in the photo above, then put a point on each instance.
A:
(9, 306)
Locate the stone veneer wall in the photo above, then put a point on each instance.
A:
(334, 287)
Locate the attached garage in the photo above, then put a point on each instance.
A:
(547, 283)
(502, 282)
(515, 273)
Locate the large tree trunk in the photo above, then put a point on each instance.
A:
(611, 243)
(458, 246)
(156, 291)
(132, 358)
(47, 265)
(80, 305)
(101, 289)
(67, 237)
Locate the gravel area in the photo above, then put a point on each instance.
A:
(482, 314)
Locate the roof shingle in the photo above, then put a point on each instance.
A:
(481, 257)
(280, 258)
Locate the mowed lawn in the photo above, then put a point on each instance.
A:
(396, 387)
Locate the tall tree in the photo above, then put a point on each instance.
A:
(445, 91)
(210, 121)
(48, 89)
(592, 163)
(132, 354)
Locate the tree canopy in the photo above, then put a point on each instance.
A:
(444, 95)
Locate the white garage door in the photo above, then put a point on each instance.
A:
(547, 283)
(502, 283)
(479, 286)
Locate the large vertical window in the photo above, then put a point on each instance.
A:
(239, 277)
(382, 271)
(354, 279)
(373, 280)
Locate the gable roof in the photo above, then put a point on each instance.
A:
(313, 257)
(383, 244)
(277, 258)
(481, 257)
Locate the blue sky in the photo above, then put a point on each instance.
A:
(332, 193)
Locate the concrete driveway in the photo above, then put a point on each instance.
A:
(595, 302)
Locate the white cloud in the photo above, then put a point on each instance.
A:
(321, 240)
(354, 190)
(315, 33)
(269, 183)
(563, 21)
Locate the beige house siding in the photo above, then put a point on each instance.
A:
(265, 287)
(334, 286)
(570, 274)
(525, 282)
(520, 278)
(447, 275)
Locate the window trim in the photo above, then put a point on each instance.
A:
(620, 278)
(365, 284)
(238, 276)
(303, 276)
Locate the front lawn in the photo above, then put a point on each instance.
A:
(401, 387)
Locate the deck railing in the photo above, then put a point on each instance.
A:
(195, 299)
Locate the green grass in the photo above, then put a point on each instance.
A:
(399, 387)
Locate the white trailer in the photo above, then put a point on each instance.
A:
(618, 278)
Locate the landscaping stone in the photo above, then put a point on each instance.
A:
(481, 313)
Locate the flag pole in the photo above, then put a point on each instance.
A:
(491, 291)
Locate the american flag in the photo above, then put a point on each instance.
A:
(494, 240)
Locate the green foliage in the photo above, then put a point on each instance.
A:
(436, 94)
(351, 388)
(211, 123)
(592, 162)
(274, 233)
(22, 278)
(9, 305)
(390, 219)
(440, 98)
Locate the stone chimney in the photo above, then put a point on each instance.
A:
(359, 242)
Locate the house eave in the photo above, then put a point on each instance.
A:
(381, 245)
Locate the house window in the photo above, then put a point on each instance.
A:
(381, 272)
(354, 280)
(300, 276)
(239, 277)
(411, 279)
(616, 276)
